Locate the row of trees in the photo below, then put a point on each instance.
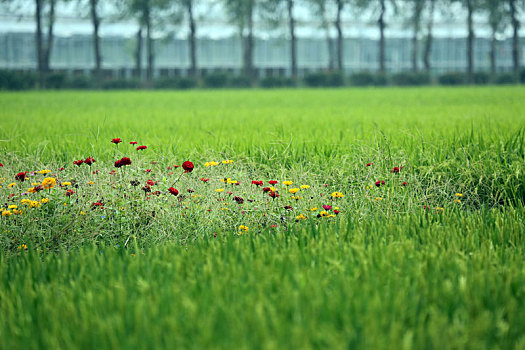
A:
(418, 14)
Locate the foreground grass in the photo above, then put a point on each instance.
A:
(432, 282)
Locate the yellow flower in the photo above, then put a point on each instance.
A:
(296, 197)
(31, 190)
(305, 187)
(43, 172)
(293, 190)
(22, 246)
(36, 184)
(242, 229)
(7, 213)
(323, 213)
(225, 209)
(11, 185)
(90, 183)
(82, 213)
(226, 180)
(331, 216)
(49, 183)
(440, 208)
(17, 212)
(337, 195)
(25, 201)
(44, 200)
(379, 199)
(219, 190)
(459, 194)
(12, 206)
(66, 183)
(313, 209)
(227, 161)
(287, 183)
(34, 204)
(233, 182)
(273, 189)
(300, 217)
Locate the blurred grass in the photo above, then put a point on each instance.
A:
(287, 126)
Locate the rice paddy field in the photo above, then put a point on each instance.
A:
(263, 219)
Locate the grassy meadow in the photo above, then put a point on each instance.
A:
(396, 219)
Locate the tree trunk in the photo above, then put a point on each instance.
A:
(515, 38)
(192, 39)
(248, 45)
(339, 29)
(381, 22)
(293, 39)
(417, 26)
(38, 38)
(96, 39)
(470, 42)
(493, 52)
(428, 42)
(49, 39)
(149, 45)
(138, 54)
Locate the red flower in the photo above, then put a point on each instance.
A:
(1, 165)
(404, 184)
(78, 162)
(97, 204)
(274, 226)
(327, 207)
(146, 189)
(140, 148)
(89, 160)
(151, 182)
(21, 176)
(122, 162)
(266, 189)
(336, 212)
(173, 191)
(176, 166)
(205, 179)
(69, 193)
(133, 142)
(395, 170)
(369, 164)
(257, 183)
(288, 207)
(148, 170)
(187, 166)
(273, 182)
(116, 141)
(380, 183)
(61, 169)
(273, 194)
(239, 200)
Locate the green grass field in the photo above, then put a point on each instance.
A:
(403, 226)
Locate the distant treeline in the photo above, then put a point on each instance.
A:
(27, 80)
(500, 16)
